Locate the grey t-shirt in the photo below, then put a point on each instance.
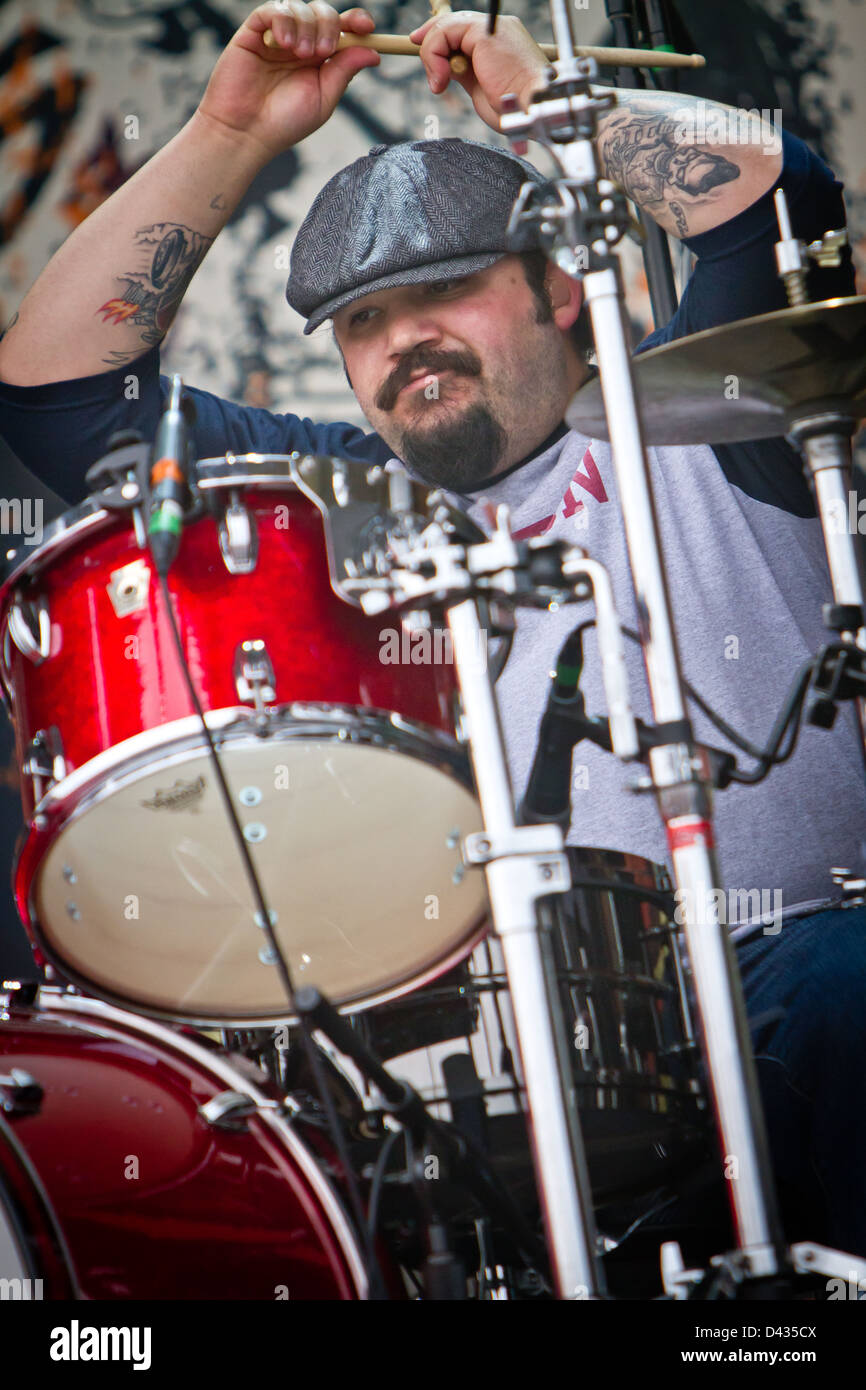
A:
(746, 580)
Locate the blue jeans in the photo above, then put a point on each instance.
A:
(805, 994)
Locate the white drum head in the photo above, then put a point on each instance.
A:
(143, 894)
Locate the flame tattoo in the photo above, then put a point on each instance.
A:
(121, 309)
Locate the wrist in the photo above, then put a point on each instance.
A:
(244, 152)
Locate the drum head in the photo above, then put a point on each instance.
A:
(143, 894)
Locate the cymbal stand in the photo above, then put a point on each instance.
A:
(579, 218)
(822, 432)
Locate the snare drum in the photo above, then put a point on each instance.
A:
(623, 995)
(352, 789)
(140, 1163)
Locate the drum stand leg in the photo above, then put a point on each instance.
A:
(523, 864)
(589, 219)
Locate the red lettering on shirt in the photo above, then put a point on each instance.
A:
(537, 528)
(590, 481)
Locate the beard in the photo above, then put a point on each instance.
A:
(458, 454)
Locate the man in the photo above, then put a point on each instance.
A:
(464, 358)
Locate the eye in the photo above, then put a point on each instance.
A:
(440, 287)
(358, 319)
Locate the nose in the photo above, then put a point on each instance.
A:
(410, 327)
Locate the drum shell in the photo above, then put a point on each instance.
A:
(112, 693)
(153, 1201)
(109, 678)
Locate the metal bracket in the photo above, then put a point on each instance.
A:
(238, 538)
(232, 1109)
(254, 676)
(30, 628)
(44, 761)
(20, 1093)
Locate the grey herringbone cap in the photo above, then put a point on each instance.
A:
(404, 215)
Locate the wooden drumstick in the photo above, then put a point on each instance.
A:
(458, 62)
(398, 46)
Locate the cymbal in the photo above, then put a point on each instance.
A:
(745, 380)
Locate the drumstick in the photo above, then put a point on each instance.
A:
(458, 62)
(397, 45)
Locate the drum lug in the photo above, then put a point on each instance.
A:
(44, 761)
(20, 1093)
(231, 1110)
(30, 628)
(239, 539)
(254, 676)
(129, 588)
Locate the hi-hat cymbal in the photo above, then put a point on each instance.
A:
(746, 380)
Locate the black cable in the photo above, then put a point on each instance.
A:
(378, 1181)
(374, 1273)
(769, 756)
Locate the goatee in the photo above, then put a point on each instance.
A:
(458, 454)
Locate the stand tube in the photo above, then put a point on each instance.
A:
(523, 864)
(683, 794)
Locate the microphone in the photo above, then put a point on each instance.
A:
(168, 478)
(563, 725)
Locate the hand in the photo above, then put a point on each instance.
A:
(508, 61)
(278, 96)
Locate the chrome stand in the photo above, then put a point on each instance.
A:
(578, 220)
(523, 864)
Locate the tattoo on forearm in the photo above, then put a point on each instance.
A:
(170, 255)
(680, 218)
(641, 151)
(218, 203)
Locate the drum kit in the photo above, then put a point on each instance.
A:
(260, 862)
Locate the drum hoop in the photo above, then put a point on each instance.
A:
(301, 719)
(119, 1019)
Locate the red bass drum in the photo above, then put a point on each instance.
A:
(136, 1163)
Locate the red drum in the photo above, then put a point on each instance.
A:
(147, 1166)
(352, 789)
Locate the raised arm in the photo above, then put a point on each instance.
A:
(692, 164)
(112, 289)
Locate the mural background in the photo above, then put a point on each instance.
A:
(72, 73)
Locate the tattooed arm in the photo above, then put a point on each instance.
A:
(692, 164)
(114, 286)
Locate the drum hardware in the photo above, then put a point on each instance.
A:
(853, 888)
(254, 676)
(20, 1093)
(406, 1106)
(582, 210)
(30, 628)
(44, 762)
(231, 1110)
(793, 255)
(522, 864)
(238, 538)
(129, 588)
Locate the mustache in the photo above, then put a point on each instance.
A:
(426, 360)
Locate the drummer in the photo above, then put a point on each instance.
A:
(463, 356)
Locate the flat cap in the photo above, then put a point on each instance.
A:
(404, 214)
